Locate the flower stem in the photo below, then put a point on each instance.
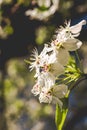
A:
(60, 115)
(78, 62)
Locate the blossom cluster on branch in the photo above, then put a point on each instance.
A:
(51, 63)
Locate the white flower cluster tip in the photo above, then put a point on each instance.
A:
(50, 63)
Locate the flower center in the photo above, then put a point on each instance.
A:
(58, 44)
(38, 60)
(45, 68)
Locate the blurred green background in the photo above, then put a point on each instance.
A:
(25, 24)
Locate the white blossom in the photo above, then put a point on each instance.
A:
(45, 95)
(36, 59)
(50, 63)
(52, 66)
(66, 36)
(70, 31)
(43, 80)
(46, 62)
(53, 94)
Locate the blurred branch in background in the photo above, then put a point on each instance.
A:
(5, 23)
(44, 9)
(3, 123)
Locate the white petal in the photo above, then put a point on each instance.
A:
(49, 79)
(57, 69)
(63, 56)
(45, 96)
(37, 72)
(56, 100)
(36, 89)
(52, 58)
(45, 50)
(77, 28)
(60, 90)
(34, 59)
(72, 44)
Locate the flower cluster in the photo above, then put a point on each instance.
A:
(51, 62)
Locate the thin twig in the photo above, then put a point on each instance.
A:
(84, 77)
